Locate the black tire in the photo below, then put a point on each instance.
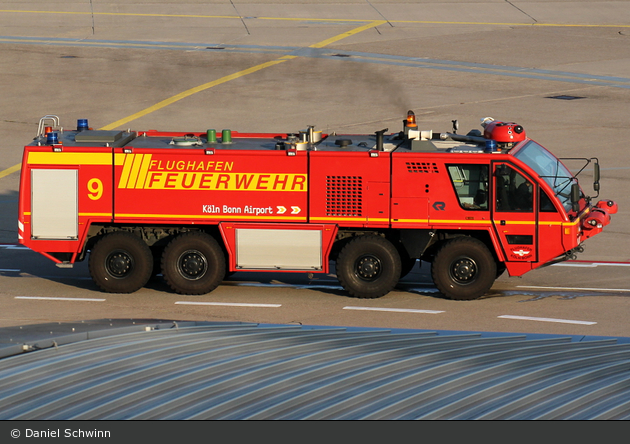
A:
(463, 269)
(120, 263)
(368, 267)
(193, 263)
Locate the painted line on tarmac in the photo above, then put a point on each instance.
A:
(42, 298)
(229, 304)
(573, 288)
(10, 170)
(10, 270)
(592, 264)
(396, 310)
(324, 20)
(561, 321)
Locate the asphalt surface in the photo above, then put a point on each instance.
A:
(559, 68)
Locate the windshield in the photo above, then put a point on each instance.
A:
(550, 169)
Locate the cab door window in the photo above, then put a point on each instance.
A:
(513, 191)
(470, 182)
(546, 206)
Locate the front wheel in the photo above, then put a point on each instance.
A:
(463, 269)
(368, 267)
(120, 263)
(193, 263)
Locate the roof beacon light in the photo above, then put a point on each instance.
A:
(82, 124)
(52, 138)
(411, 119)
(491, 146)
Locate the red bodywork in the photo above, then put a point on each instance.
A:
(260, 180)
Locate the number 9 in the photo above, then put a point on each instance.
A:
(95, 188)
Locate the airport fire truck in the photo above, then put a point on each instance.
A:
(196, 206)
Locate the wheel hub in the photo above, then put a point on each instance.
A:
(368, 267)
(119, 264)
(464, 270)
(192, 265)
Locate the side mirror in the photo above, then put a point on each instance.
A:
(575, 197)
(596, 177)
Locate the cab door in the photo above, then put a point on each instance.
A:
(514, 212)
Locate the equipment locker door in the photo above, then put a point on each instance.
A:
(515, 212)
(54, 201)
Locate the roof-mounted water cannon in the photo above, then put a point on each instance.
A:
(503, 132)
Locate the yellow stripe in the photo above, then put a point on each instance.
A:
(411, 221)
(144, 169)
(124, 176)
(119, 159)
(135, 169)
(95, 214)
(196, 216)
(50, 158)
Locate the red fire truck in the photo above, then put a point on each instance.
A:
(195, 206)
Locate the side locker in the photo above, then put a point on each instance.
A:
(378, 203)
(54, 204)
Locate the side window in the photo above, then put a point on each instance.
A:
(513, 191)
(470, 182)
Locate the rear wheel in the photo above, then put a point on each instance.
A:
(463, 269)
(193, 263)
(120, 263)
(368, 267)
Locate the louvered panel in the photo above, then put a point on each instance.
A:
(249, 371)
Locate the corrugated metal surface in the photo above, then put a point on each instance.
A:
(242, 371)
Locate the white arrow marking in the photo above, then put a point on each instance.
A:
(281, 210)
(295, 210)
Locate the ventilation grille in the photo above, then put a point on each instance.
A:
(344, 196)
(422, 167)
